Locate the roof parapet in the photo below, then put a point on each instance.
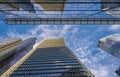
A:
(54, 42)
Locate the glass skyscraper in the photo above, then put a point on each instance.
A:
(12, 50)
(111, 44)
(51, 58)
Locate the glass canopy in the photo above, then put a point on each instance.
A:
(47, 11)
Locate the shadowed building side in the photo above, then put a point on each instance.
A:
(118, 71)
(8, 46)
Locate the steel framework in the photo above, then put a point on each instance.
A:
(75, 12)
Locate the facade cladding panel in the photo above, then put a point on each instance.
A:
(57, 61)
(52, 5)
(14, 50)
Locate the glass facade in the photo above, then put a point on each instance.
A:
(8, 47)
(56, 61)
(111, 44)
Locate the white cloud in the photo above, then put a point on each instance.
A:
(114, 27)
(64, 30)
(41, 32)
(101, 72)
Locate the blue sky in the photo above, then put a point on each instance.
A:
(81, 39)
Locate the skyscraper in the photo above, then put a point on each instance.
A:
(111, 44)
(12, 50)
(8, 47)
(51, 58)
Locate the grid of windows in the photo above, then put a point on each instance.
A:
(52, 62)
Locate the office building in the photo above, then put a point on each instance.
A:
(52, 5)
(111, 44)
(111, 7)
(12, 50)
(51, 58)
(8, 47)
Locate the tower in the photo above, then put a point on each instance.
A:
(111, 44)
(51, 58)
(12, 50)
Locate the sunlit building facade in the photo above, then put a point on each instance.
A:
(52, 58)
(12, 50)
(52, 4)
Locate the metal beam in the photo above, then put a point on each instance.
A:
(60, 2)
(62, 21)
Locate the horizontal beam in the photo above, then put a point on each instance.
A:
(62, 21)
(72, 9)
(60, 2)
